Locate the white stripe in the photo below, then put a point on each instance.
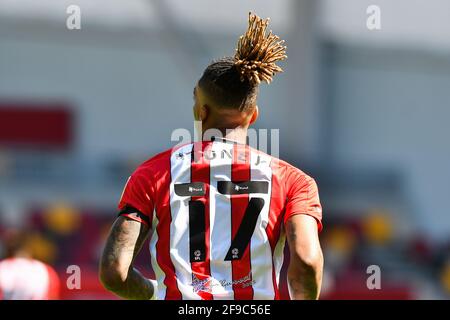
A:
(160, 275)
(220, 222)
(261, 252)
(179, 228)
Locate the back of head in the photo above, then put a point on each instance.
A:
(233, 82)
(16, 243)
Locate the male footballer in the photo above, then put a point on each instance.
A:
(218, 212)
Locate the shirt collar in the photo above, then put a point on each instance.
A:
(225, 140)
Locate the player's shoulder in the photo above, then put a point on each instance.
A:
(285, 169)
(157, 162)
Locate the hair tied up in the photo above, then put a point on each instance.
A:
(257, 52)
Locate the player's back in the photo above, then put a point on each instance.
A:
(217, 211)
(27, 279)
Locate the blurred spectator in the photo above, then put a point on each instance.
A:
(378, 227)
(21, 276)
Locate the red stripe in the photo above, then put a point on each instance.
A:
(240, 171)
(200, 172)
(273, 228)
(163, 213)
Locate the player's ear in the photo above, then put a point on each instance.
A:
(194, 112)
(255, 115)
(200, 112)
(203, 112)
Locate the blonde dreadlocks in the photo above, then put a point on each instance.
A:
(257, 52)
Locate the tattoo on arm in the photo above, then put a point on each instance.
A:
(304, 276)
(124, 243)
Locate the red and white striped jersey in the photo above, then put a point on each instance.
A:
(217, 210)
(27, 279)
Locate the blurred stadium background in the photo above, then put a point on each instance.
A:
(365, 112)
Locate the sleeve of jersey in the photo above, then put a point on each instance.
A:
(303, 198)
(136, 202)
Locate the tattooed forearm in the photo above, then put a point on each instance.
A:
(116, 271)
(303, 283)
(306, 264)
